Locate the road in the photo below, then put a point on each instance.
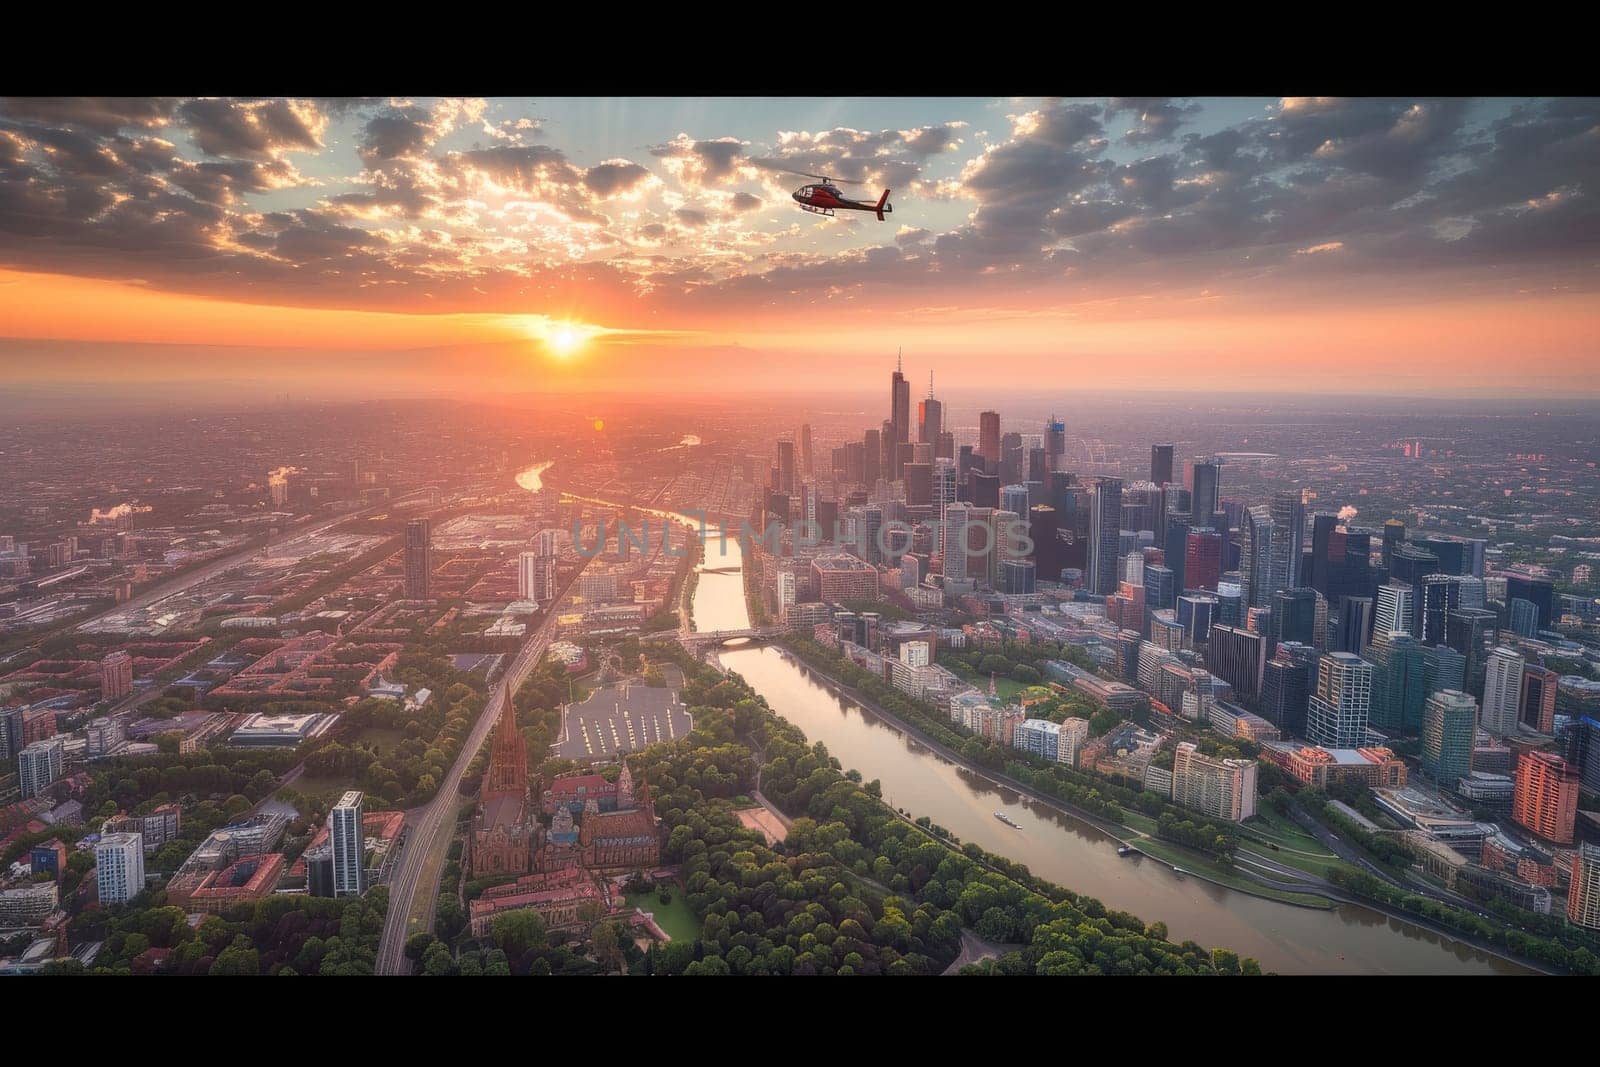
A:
(429, 833)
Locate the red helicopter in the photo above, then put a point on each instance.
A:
(824, 198)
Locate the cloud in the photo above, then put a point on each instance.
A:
(253, 129)
(444, 203)
(615, 177)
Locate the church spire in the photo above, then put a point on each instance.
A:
(508, 757)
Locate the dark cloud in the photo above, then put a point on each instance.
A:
(1158, 117)
(395, 132)
(614, 177)
(98, 114)
(253, 129)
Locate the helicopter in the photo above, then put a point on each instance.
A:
(824, 198)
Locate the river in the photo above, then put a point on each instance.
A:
(1282, 937)
(532, 479)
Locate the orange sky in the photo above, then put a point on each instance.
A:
(1461, 346)
(1412, 246)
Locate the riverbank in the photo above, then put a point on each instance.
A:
(1196, 864)
(1326, 898)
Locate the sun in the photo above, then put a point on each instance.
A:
(563, 340)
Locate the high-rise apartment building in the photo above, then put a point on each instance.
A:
(1545, 797)
(1105, 533)
(39, 764)
(116, 676)
(1502, 691)
(419, 559)
(1337, 714)
(1220, 788)
(1449, 726)
(119, 867)
(349, 847)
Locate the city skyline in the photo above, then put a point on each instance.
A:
(799, 536)
(467, 247)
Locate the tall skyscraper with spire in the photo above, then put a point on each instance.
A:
(930, 417)
(899, 415)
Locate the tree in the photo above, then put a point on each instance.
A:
(239, 958)
(516, 932)
(437, 960)
(418, 944)
(607, 945)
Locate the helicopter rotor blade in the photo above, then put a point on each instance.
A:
(820, 177)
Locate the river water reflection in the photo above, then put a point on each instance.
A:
(1283, 937)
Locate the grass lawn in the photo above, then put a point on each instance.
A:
(1171, 854)
(328, 789)
(1294, 847)
(1005, 688)
(383, 740)
(675, 918)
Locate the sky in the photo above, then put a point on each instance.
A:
(478, 247)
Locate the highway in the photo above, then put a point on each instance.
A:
(429, 834)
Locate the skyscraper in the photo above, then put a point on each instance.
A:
(1286, 686)
(805, 449)
(1394, 533)
(1105, 532)
(349, 849)
(1258, 581)
(1502, 691)
(1202, 559)
(1014, 498)
(1239, 658)
(536, 577)
(1355, 624)
(1042, 526)
(419, 558)
(1338, 711)
(930, 417)
(1522, 617)
(1398, 682)
(1161, 464)
(1205, 490)
(1449, 726)
(785, 467)
(943, 498)
(953, 541)
(989, 441)
(1538, 708)
(899, 416)
(1393, 611)
(1288, 540)
(1055, 443)
(1540, 592)
(1441, 594)
(871, 457)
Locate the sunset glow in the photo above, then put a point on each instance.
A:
(1403, 240)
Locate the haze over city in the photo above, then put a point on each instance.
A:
(799, 536)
